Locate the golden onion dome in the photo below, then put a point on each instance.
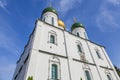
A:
(61, 23)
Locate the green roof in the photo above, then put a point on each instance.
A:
(76, 25)
(49, 9)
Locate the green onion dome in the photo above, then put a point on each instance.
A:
(76, 25)
(49, 9)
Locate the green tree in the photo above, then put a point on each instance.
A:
(117, 70)
(80, 78)
(30, 78)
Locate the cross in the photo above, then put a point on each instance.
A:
(50, 4)
(75, 20)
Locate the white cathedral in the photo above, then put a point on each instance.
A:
(52, 53)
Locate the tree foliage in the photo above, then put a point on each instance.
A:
(30, 78)
(117, 70)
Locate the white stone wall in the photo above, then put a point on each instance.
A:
(42, 37)
(73, 52)
(71, 67)
(39, 66)
(98, 61)
(81, 31)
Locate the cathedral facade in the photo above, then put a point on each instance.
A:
(52, 53)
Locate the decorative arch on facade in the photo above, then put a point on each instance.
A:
(78, 34)
(54, 68)
(108, 74)
(52, 37)
(86, 66)
(87, 72)
(98, 53)
(79, 47)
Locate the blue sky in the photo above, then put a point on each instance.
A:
(17, 19)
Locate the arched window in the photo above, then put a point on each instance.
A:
(98, 54)
(52, 21)
(44, 19)
(109, 78)
(78, 34)
(85, 35)
(54, 73)
(87, 75)
(52, 39)
(79, 48)
(54, 68)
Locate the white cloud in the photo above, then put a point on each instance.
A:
(8, 36)
(65, 5)
(8, 43)
(114, 2)
(107, 20)
(6, 69)
(3, 5)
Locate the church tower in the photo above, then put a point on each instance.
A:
(78, 29)
(52, 53)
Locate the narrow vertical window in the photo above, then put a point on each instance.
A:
(54, 72)
(54, 69)
(109, 78)
(98, 54)
(52, 39)
(78, 34)
(79, 48)
(85, 35)
(87, 75)
(52, 21)
(44, 19)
